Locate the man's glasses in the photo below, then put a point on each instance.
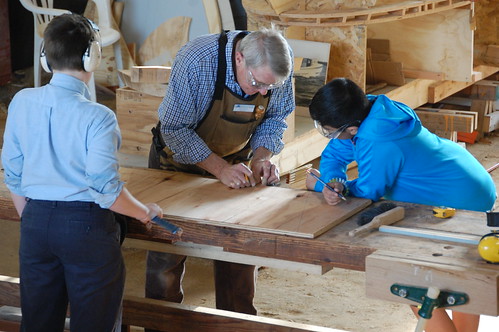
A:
(258, 85)
(336, 133)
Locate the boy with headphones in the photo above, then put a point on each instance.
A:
(61, 167)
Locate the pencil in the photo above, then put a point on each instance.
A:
(327, 185)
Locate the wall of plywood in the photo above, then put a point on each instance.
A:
(441, 42)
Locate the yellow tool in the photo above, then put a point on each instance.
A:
(488, 247)
(443, 212)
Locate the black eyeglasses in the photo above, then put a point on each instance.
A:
(336, 133)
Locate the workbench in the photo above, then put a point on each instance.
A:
(387, 259)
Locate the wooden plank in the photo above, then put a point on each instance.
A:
(432, 234)
(207, 201)
(9, 291)
(474, 277)
(414, 93)
(444, 89)
(446, 120)
(150, 74)
(137, 114)
(450, 30)
(159, 315)
(213, 17)
(412, 73)
(217, 253)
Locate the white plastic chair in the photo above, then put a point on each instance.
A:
(44, 12)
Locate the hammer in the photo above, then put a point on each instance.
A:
(386, 218)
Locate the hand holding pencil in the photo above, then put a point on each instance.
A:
(330, 200)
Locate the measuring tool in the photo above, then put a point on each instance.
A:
(444, 212)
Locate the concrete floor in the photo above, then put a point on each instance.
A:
(334, 300)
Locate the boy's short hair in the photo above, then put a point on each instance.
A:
(66, 39)
(339, 102)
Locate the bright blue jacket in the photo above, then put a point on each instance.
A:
(399, 159)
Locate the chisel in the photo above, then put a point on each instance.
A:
(167, 225)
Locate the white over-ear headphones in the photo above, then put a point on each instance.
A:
(91, 57)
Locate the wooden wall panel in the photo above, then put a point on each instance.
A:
(441, 42)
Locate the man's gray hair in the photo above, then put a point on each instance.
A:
(267, 47)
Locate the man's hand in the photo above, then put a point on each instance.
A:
(265, 171)
(237, 176)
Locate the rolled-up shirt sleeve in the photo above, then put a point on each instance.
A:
(101, 172)
(12, 156)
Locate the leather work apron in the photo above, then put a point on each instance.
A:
(226, 128)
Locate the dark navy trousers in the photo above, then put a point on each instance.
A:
(70, 252)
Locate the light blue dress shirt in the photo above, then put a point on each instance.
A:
(58, 145)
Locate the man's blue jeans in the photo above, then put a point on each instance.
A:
(70, 252)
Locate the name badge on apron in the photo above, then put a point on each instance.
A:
(243, 108)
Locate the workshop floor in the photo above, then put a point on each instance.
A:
(336, 299)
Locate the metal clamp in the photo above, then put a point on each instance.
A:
(418, 294)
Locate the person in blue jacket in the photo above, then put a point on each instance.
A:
(398, 159)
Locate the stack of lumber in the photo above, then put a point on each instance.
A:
(465, 116)
(137, 105)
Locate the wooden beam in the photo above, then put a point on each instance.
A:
(444, 89)
(472, 276)
(162, 316)
(217, 253)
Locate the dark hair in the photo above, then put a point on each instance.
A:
(338, 103)
(66, 39)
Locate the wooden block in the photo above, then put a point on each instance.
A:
(137, 113)
(491, 122)
(150, 74)
(411, 73)
(446, 120)
(153, 89)
(486, 90)
(473, 276)
(387, 71)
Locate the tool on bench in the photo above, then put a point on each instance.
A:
(309, 171)
(384, 214)
(443, 212)
(167, 225)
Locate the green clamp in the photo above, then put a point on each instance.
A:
(419, 295)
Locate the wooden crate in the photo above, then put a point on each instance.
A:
(137, 114)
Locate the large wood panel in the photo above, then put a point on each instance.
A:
(267, 209)
(441, 42)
